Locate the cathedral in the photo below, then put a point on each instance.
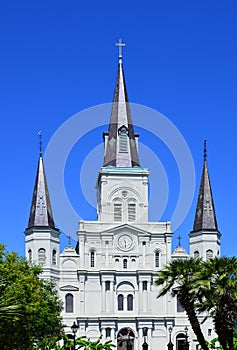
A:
(106, 281)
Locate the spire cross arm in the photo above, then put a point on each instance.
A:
(120, 44)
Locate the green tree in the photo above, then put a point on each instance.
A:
(182, 277)
(219, 297)
(34, 304)
(205, 287)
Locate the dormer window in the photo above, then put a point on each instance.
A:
(123, 139)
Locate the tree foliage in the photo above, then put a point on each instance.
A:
(29, 306)
(182, 277)
(219, 297)
(205, 287)
(82, 343)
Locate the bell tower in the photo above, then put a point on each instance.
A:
(122, 185)
(205, 236)
(41, 235)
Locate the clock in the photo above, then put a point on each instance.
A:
(125, 242)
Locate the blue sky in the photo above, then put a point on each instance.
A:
(59, 58)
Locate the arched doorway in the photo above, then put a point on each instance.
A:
(180, 341)
(125, 339)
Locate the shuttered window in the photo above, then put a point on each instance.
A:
(117, 211)
(130, 302)
(131, 211)
(41, 256)
(69, 302)
(120, 302)
(157, 259)
(123, 140)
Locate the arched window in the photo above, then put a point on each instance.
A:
(209, 254)
(41, 256)
(157, 258)
(179, 306)
(69, 302)
(108, 332)
(120, 302)
(92, 258)
(196, 254)
(54, 257)
(130, 302)
(117, 211)
(180, 341)
(123, 140)
(107, 285)
(125, 263)
(30, 255)
(131, 211)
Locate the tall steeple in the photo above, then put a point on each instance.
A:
(41, 236)
(122, 185)
(41, 212)
(120, 141)
(205, 218)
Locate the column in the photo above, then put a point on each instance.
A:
(144, 254)
(140, 296)
(112, 294)
(82, 251)
(82, 294)
(103, 333)
(140, 257)
(140, 338)
(113, 335)
(103, 297)
(148, 294)
(107, 253)
(149, 335)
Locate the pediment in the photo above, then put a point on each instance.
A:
(69, 288)
(126, 228)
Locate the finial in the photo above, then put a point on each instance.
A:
(205, 150)
(120, 44)
(179, 239)
(40, 141)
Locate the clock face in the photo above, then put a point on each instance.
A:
(125, 242)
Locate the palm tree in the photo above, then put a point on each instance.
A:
(182, 277)
(219, 297)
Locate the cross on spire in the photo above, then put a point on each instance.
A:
(69, 239)
(120, 44)
(179, 239)
(40, 141)
(205, 150)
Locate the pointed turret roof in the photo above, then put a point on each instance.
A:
(205, 218)
(41, 212)
(121, 122)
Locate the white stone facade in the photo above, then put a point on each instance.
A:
(107, 281)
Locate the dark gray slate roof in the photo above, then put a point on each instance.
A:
(41, 212)
(121, 116)
(205, 217)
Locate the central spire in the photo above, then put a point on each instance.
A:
(120, 141)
